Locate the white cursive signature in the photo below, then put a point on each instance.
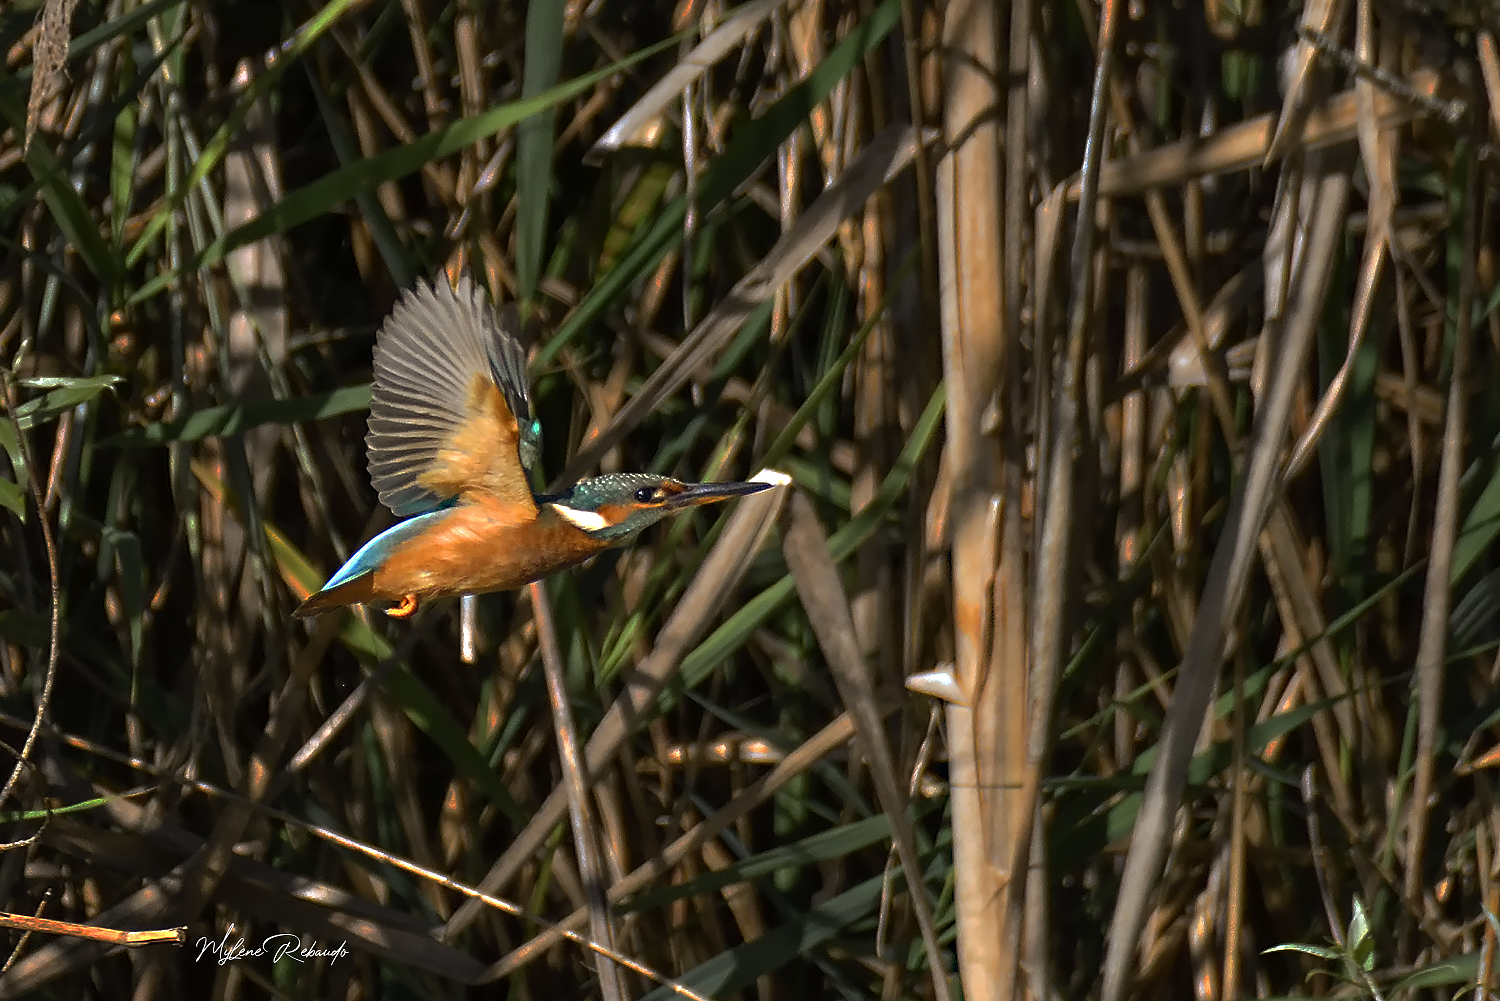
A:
(282, 945)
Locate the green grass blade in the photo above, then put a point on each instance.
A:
(534, 137)
(237, 418)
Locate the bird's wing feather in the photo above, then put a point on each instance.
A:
(450, 414)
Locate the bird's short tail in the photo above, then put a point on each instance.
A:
(351, 592)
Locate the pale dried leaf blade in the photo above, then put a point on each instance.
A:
(1049, 218)
(586, 848)
(1376, 145)
(1370, 268)
(1489, 68)
(822, 594)
(1320, 19)
(1184, 364)
(636, 125)
(1245, 145)
(49, 54)
(939, 683)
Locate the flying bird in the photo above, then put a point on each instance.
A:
(452, 443)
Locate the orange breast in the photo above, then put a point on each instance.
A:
(481, 547)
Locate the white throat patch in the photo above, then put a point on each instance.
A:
(588, 521)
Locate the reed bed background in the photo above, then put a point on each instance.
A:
(1133, 585)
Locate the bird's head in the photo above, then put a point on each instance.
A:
(617, 506)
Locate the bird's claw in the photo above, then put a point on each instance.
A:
(405, 609)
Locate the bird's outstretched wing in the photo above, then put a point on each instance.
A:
(450, 416)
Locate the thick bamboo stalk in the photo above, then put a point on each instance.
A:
(972, 286)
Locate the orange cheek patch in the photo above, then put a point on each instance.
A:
(613, 514)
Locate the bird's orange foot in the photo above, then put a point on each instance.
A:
(405, 609)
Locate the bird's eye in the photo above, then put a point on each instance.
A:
(646, 495)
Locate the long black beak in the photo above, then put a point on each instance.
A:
(707, 493)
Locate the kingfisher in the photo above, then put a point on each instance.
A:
(452, 443)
